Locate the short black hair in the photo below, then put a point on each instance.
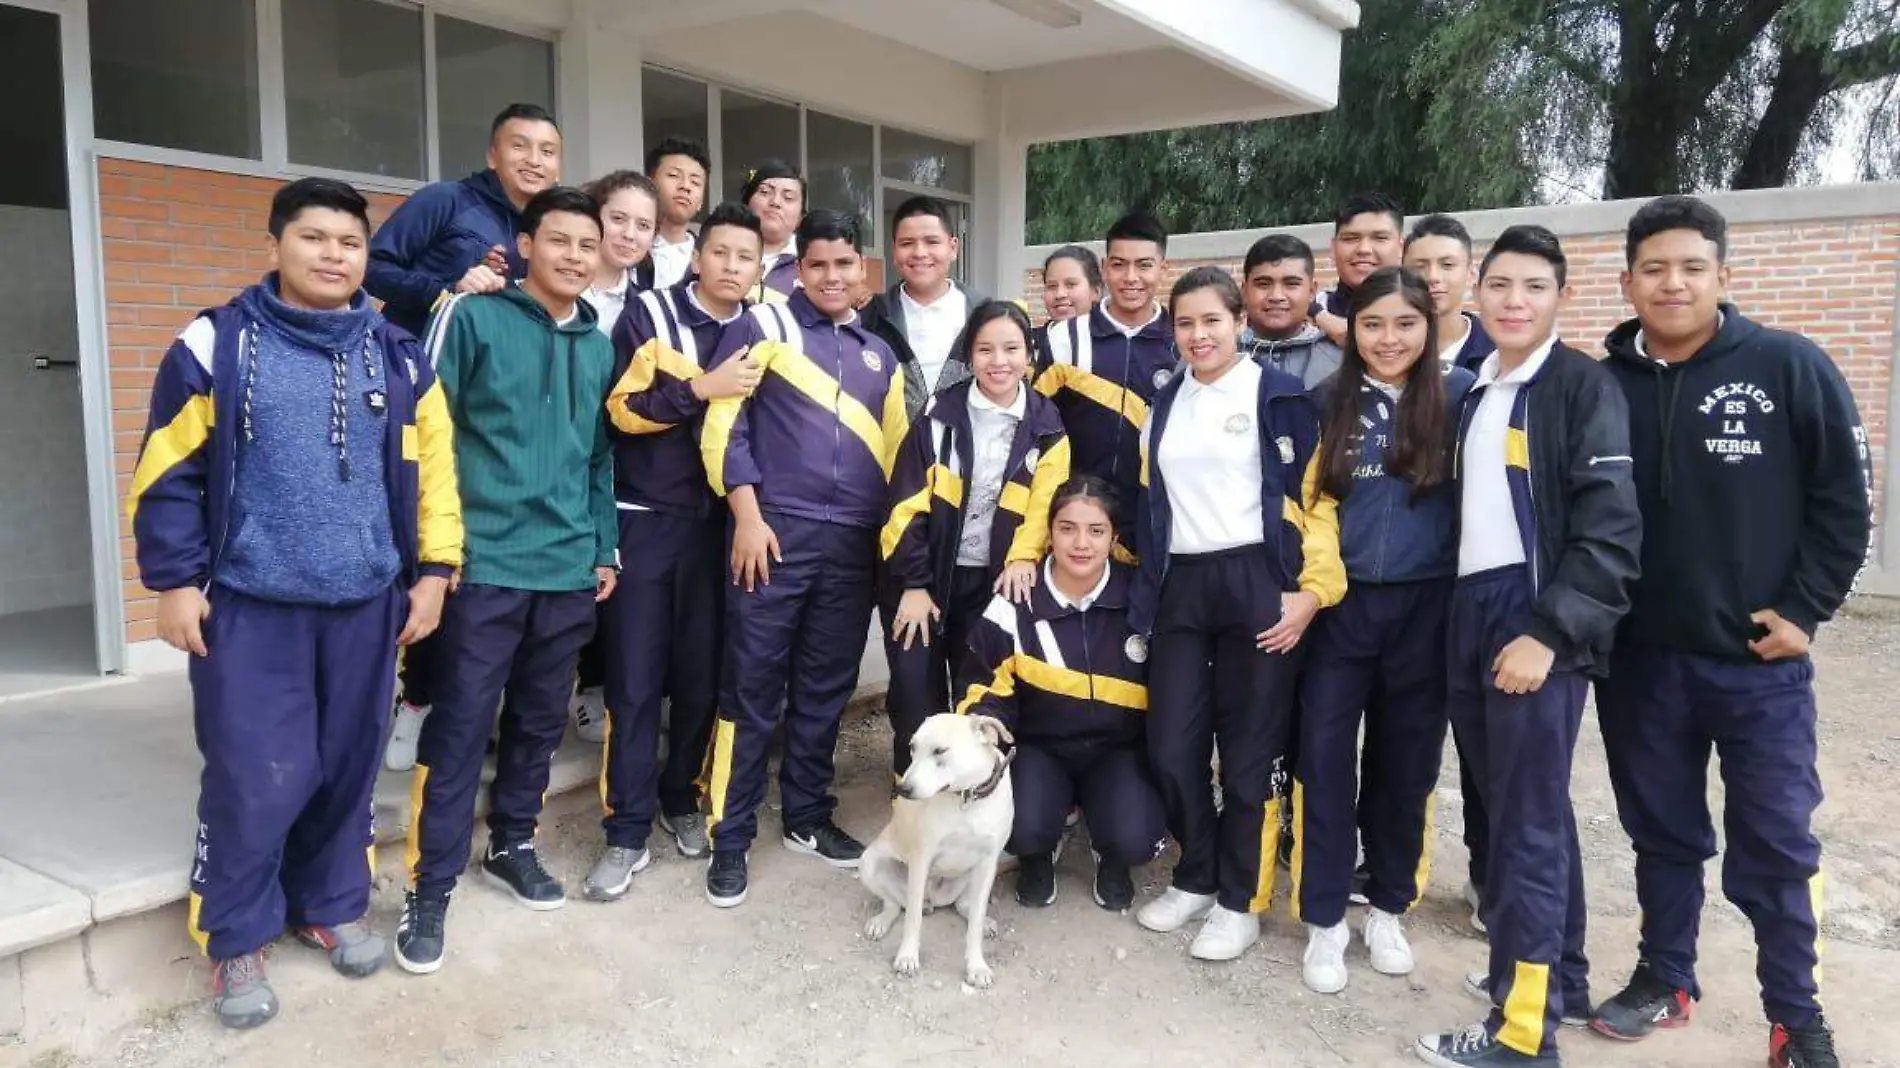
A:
(1676, 213)
(305, 193)
(527, 112)
(1440, 226)
(1529, 240)
(1091, 266)
(731, 213)
(917, 207)
(557, 198)
(825, 224)
(765, 172)
(678, 146)
(1086, 488)
(1138, 226)
(1277, 248)
(1370, 204)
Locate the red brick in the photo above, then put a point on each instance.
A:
(137, 252)
(138, 294)
(109, 165)
(127, 208)
(209, 257)
(193, 215)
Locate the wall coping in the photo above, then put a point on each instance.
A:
(1745, 207)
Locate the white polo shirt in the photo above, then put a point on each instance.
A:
(992, 432)
(609, 303)
(1210, 457)
(1489, 537)
(1055, 592)
(671, 260)
(1129, 331)
(1448, 354)
(932, 328)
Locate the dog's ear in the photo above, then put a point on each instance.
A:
(992, 730)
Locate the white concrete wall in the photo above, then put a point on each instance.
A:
(45, 542)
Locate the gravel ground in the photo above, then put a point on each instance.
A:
(661, 978)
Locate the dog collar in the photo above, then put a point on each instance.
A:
(990, 784)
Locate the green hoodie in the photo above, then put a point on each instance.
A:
(532, 454)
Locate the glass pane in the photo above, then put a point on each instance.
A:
(176, 73)
(753, 130)
(35, 176)
(480, 70)
(921, 160)
(671, 106)
(353, 86)
(842, 177)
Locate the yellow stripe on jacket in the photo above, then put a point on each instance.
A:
(169, 446)
(1032, 534)
(642, 370)
(439, 507)
(1323, 571)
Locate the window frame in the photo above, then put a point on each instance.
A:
(273, 105)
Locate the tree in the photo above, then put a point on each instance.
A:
(1457, 104)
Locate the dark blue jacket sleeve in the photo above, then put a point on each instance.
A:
(401, 242)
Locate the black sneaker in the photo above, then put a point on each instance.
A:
(725, 879)
(1647, 1003)
(419, 934)
(827, 842)
(1114, 885)
(1036, 881)
(1357, 895)
(1474, 1047)
(1806, 1047)
(517, 870)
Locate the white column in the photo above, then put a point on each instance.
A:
(1002, 206)
(599, 86)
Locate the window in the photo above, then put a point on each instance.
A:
(478, 71)
(842, 176)
(671, 106)
(921, 160)
(176, 73)
(751, 131)
(353, 82)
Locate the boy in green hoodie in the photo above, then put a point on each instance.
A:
(526, 373)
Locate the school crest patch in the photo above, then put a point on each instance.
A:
(1136, 649)
(872, 361)
(1162, 376)
(1239, 423)
(1286, 448)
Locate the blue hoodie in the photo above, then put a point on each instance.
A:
(429, 243)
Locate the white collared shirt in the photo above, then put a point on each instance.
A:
(609, 303)
(1489, 537)
(692, 295)
(1055, 592)
(932, 328)
(1448, 355)
(992, 431)
(670, 260)
(1210, 457)
(1130, 331)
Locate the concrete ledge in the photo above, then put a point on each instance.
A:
(35, 910)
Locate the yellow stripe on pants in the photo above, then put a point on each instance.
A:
(1523, 1028)
(1269, 857)
(1297, 869)
(724, 732)
(412, 842)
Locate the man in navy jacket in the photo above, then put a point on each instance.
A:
(1751, 472)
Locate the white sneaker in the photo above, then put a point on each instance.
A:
(1225, 935)
(1323, 969)
(590, 717)
(400, 753)
(1385, 938)
(1173, 910)
(1474, 898)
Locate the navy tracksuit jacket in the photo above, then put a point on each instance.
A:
(1379, 653)
(1103, 381)
(1752, 473)
(1566, 460)
(662, 625)
(815, 442)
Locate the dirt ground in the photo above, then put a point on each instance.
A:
(662, 978)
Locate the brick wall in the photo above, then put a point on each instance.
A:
(175, 241)
(1832, 280)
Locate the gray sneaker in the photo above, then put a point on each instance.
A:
(689, 834)
(244, 997)
(612, 875)
(354, 949)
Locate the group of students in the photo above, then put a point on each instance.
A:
(1184, 549)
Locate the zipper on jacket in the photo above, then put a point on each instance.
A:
(230, 488)
(1088, 660)
(837, 419)
(1530, 490)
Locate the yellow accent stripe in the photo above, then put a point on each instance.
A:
(724, 731)
(1002, 684)
(1322, 568)
(370, 855)
(638, 378)
(1269, 857)
(1423, 874)
(170, 446)
(1523, 1027)
(606, 748)
(411, 444)
(938, 481)
(896, 423)
(1072, 683)
(1296, 871)
(1111, 396)
(715, 438)
(412, 842)
(1032, 534)
(193, 906)
(823, 390)
(1517, 449)
(439, 510)
(1014, 498)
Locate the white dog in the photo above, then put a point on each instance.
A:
(948, 827)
